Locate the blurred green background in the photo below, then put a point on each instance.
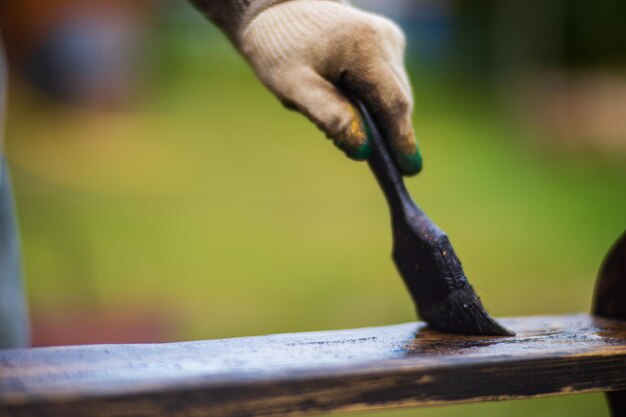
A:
(196, 207)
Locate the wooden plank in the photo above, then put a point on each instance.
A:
(308, 373)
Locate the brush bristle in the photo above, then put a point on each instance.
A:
(462, 312)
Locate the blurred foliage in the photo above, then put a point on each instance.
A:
(596, 32)
(213, 203)
(495, 36)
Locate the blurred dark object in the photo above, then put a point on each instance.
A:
(491, 37)
(86, 53)
(610, 302)
(515, 36)
(14, 331)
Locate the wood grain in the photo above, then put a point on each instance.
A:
(308, 373)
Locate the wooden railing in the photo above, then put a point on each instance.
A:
(309, 373)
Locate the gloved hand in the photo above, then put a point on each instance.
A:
(303, 50)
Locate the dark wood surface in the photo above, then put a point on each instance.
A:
(308, 373)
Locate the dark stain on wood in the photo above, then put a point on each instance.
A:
(308, 373)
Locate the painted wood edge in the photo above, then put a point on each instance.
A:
(482, 380)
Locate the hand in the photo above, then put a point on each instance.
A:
(307, 52)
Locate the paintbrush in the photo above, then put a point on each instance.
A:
(422, 252)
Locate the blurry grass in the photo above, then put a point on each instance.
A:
(215, 200)
(588, 405)
(215, 203)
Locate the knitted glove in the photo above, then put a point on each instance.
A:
(307, 52)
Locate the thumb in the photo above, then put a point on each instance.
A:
(315, 97)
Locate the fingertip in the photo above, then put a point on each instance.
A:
(361, 152)
(407, 154)
(357, 152)
(355, 140)
(409, 163)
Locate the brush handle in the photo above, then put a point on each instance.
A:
(390, 179)
(423, 254)
(413, 232)
(384, 168)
